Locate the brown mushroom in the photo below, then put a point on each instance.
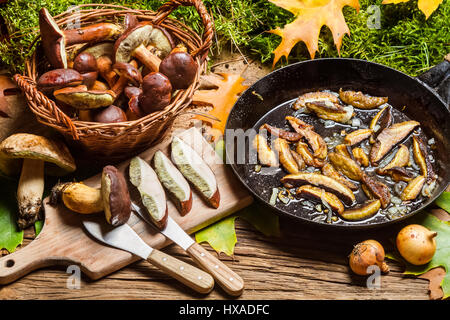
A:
(303, 150)
(360, 156)
(55, 40)
(287, 135)
(381, 121)
(377, 189)
(156, 93)
(314, 140)
(86, 65)
(81, 98)
(129, 71)
(180, 68)
(57, 79)
(111, 114)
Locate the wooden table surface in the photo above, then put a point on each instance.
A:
(304, 263)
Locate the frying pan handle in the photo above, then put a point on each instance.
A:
(438, 78)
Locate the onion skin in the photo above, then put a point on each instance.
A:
(416, 244)
(366, 254)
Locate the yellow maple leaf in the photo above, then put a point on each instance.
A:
(311, 15)
(229, 87)
(426, 6)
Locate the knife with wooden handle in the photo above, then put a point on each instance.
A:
(125, 238)
(230, 281)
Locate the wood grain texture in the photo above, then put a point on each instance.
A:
(63, 240)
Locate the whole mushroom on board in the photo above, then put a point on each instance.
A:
(35, 151)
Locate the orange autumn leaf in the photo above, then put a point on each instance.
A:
(426, 6)
(222, 99)
(311, 15)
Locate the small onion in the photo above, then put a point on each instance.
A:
(416, 244)
(365, 254)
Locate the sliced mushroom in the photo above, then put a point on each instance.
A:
(413, 189)
(196, 171)
(81, 98)
(35, 151)
(314, 97)
(360, 156)
(357, 136)
(331, 172)
(153, 197)
(346, 165)
(298, 159)
(389, 137)
(266, 156)
(287, 135)
(57, 79)
(314, 140)
(284, 153)
(115, 196)
(367, 210)
(360, 100)
(174, 182)
(331, 111)
(303, 150)
(344, 150)
(382, 120)
(180, 68)
(321, 181)
(420, 154)
(400, 159)
(399, 174)
(378, 189)
(309, 191)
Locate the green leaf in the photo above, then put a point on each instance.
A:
(442, 256)
(444, 201)
(10, 235)
(222, 235)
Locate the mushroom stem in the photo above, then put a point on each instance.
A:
(150, 60)
(93, 33)
(29, 192)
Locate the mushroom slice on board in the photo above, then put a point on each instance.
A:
(284, 154)
(153, 197)
(331, 172)
(413, 189)
(400, 159)
(346, 165)
(331, 111)
(55, 40)
(389, 137)
(287, 135)
(314, 96)
(420, 154)
(321, 181)
(357, 136)
(174, 182)
(367, 210)
(196, 171)
(377, 189)
(35, 151)
(314, 140)
(115, 196)
(81, 98)
(361, 100)
(266, 156)
(316, 193)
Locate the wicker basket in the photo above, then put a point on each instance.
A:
(117, 141)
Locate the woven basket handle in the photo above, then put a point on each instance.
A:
(208, 33)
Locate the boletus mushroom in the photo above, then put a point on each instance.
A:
(57, 79)
(82, 98)
(111, 114)
(115, 195)
(86, 64)
(55, 40)
(35, 151)
(156, 93)
(180, 68)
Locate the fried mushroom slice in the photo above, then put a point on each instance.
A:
(382, 120)
(420, 154)
(321, 181)
(303, 150)
(361, 157)
(298, 159)
(377, 189)
(314, 140)
(331, 111)
(367, 210)
(400, 159)
(389, 137)
(400, 174)
(314, 96)
(284, 154)
(311, 192)
(331, 172)
(413, 188)
(287, 135)
(346, 165)
(361, 100)
(266, 156)
(357, 136)
(343, 149)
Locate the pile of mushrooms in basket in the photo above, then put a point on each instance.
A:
(118, 73)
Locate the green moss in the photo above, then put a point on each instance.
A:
(405, 41)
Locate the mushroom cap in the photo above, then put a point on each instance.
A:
(53, 40)
(132, 91)
(85, 62)
(180, 68)
(111, 114)
(81, 98)
(89, 78)
(59, 78)
(156, 92)
(100, 49)
(128, 71)
(30, 146)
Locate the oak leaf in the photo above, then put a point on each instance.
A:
(222, 98)
(426, 6)
(310, 16)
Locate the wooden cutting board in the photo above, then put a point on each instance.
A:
(63, 241)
